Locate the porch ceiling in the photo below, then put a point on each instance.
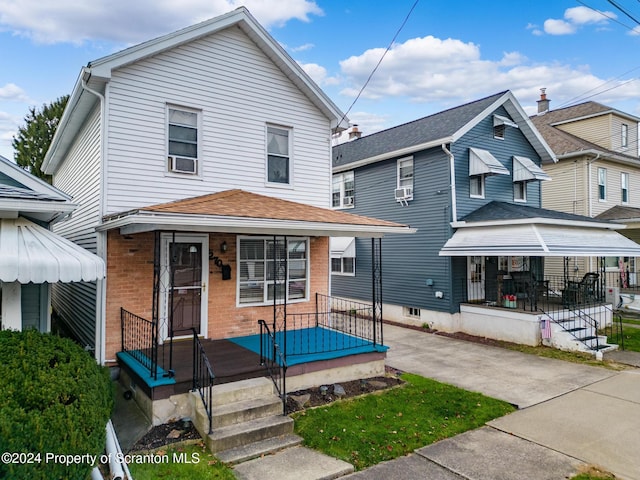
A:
(237, 211)
(538, 240)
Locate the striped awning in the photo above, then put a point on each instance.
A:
(31, 253)
(538, 240)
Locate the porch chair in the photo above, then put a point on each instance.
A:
(582, 292)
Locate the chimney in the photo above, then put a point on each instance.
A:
(543, 103)
(354, 133)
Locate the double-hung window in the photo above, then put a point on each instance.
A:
(182, 148)
(520, 191)
(261, 277)
(278, 155)
(405, 176)
(343, 190)
(602, 184)
(476, 186)
(343, 266)
(624, 136)
(624, 187)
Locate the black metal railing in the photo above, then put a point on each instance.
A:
(203, 377)
(273, 359)
(140, 340)
(613, 329)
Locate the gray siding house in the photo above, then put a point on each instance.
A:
(469, 180)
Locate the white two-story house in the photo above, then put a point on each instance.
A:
(201, 165)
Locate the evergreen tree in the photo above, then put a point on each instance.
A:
(33, 139)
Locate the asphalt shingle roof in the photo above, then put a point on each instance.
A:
(620, 212)
(426, 129)
(240, 203)
(9, 191)
(509, 211)
(563, 143)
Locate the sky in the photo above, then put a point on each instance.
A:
(443, 53)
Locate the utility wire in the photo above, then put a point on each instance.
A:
(613, 19)
(379, 62)
(615, 4)
(578, 99)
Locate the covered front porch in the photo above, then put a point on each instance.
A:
(509, 291)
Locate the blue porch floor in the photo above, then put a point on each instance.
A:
(313, 344)
(236, 358)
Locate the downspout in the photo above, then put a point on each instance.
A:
(452, 169)
(101, 331)
(590, 198)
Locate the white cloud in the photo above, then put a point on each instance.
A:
(13, 93)
(574, 18)
(319, 74)
(635, 31)
(125, 21)
(553, 26)
(450, 72)
(8, 128)
(303, 48)
(585, 15)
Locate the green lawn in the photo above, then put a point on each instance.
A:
(370, 429)
(183, 462)
(631, 338)
(631, 321)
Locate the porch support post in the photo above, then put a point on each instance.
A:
(280, 275)
(376, 289)
(11, 306)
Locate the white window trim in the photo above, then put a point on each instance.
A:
(624, 175)
(524, 191)
(342, 272)
(266, 301)
(167, 167)
(413, 175)
(624, 135)
(342, 190)
(602, 184)
(498, 128)
(482, 186)
(266, 157)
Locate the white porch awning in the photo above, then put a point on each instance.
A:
(538, 240)
(502, 120)
(481, 162)
(31, 253)
(525, 170)
(341, 247)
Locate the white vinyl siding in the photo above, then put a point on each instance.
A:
(257, 279)
(238, 90)
(79, 176)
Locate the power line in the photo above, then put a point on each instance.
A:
(615, 4)
(577, 98)
(379, 61)
(613, 19)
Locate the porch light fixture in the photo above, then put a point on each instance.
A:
(223, 247)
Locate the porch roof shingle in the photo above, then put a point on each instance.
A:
(239, 204)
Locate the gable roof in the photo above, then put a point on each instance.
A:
(620, 213)
(434, 130)
(22, 193)
(98, 73)
(239, 211)
(566, 145)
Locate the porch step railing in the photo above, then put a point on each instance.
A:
(140, 340)
(579, 324)
(273, 359)
(613, 330)
(203, 377)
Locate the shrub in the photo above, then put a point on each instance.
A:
(55, 399)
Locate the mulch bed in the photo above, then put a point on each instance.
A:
(167, 434)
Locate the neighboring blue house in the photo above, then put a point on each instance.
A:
(469, 179)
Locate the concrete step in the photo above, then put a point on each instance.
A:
(246, 410)
(243, 390)
(237, 435)
(258, 449)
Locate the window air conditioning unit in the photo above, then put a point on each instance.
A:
(183, 165)
(348, 201)
(403, 194)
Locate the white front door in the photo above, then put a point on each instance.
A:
(184, 273)
(475, 278)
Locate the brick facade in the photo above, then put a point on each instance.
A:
(129, 280)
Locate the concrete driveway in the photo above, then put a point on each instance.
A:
(520, 379)
(570, 415)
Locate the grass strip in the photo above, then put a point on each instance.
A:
(178, 461)
(373, 428)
